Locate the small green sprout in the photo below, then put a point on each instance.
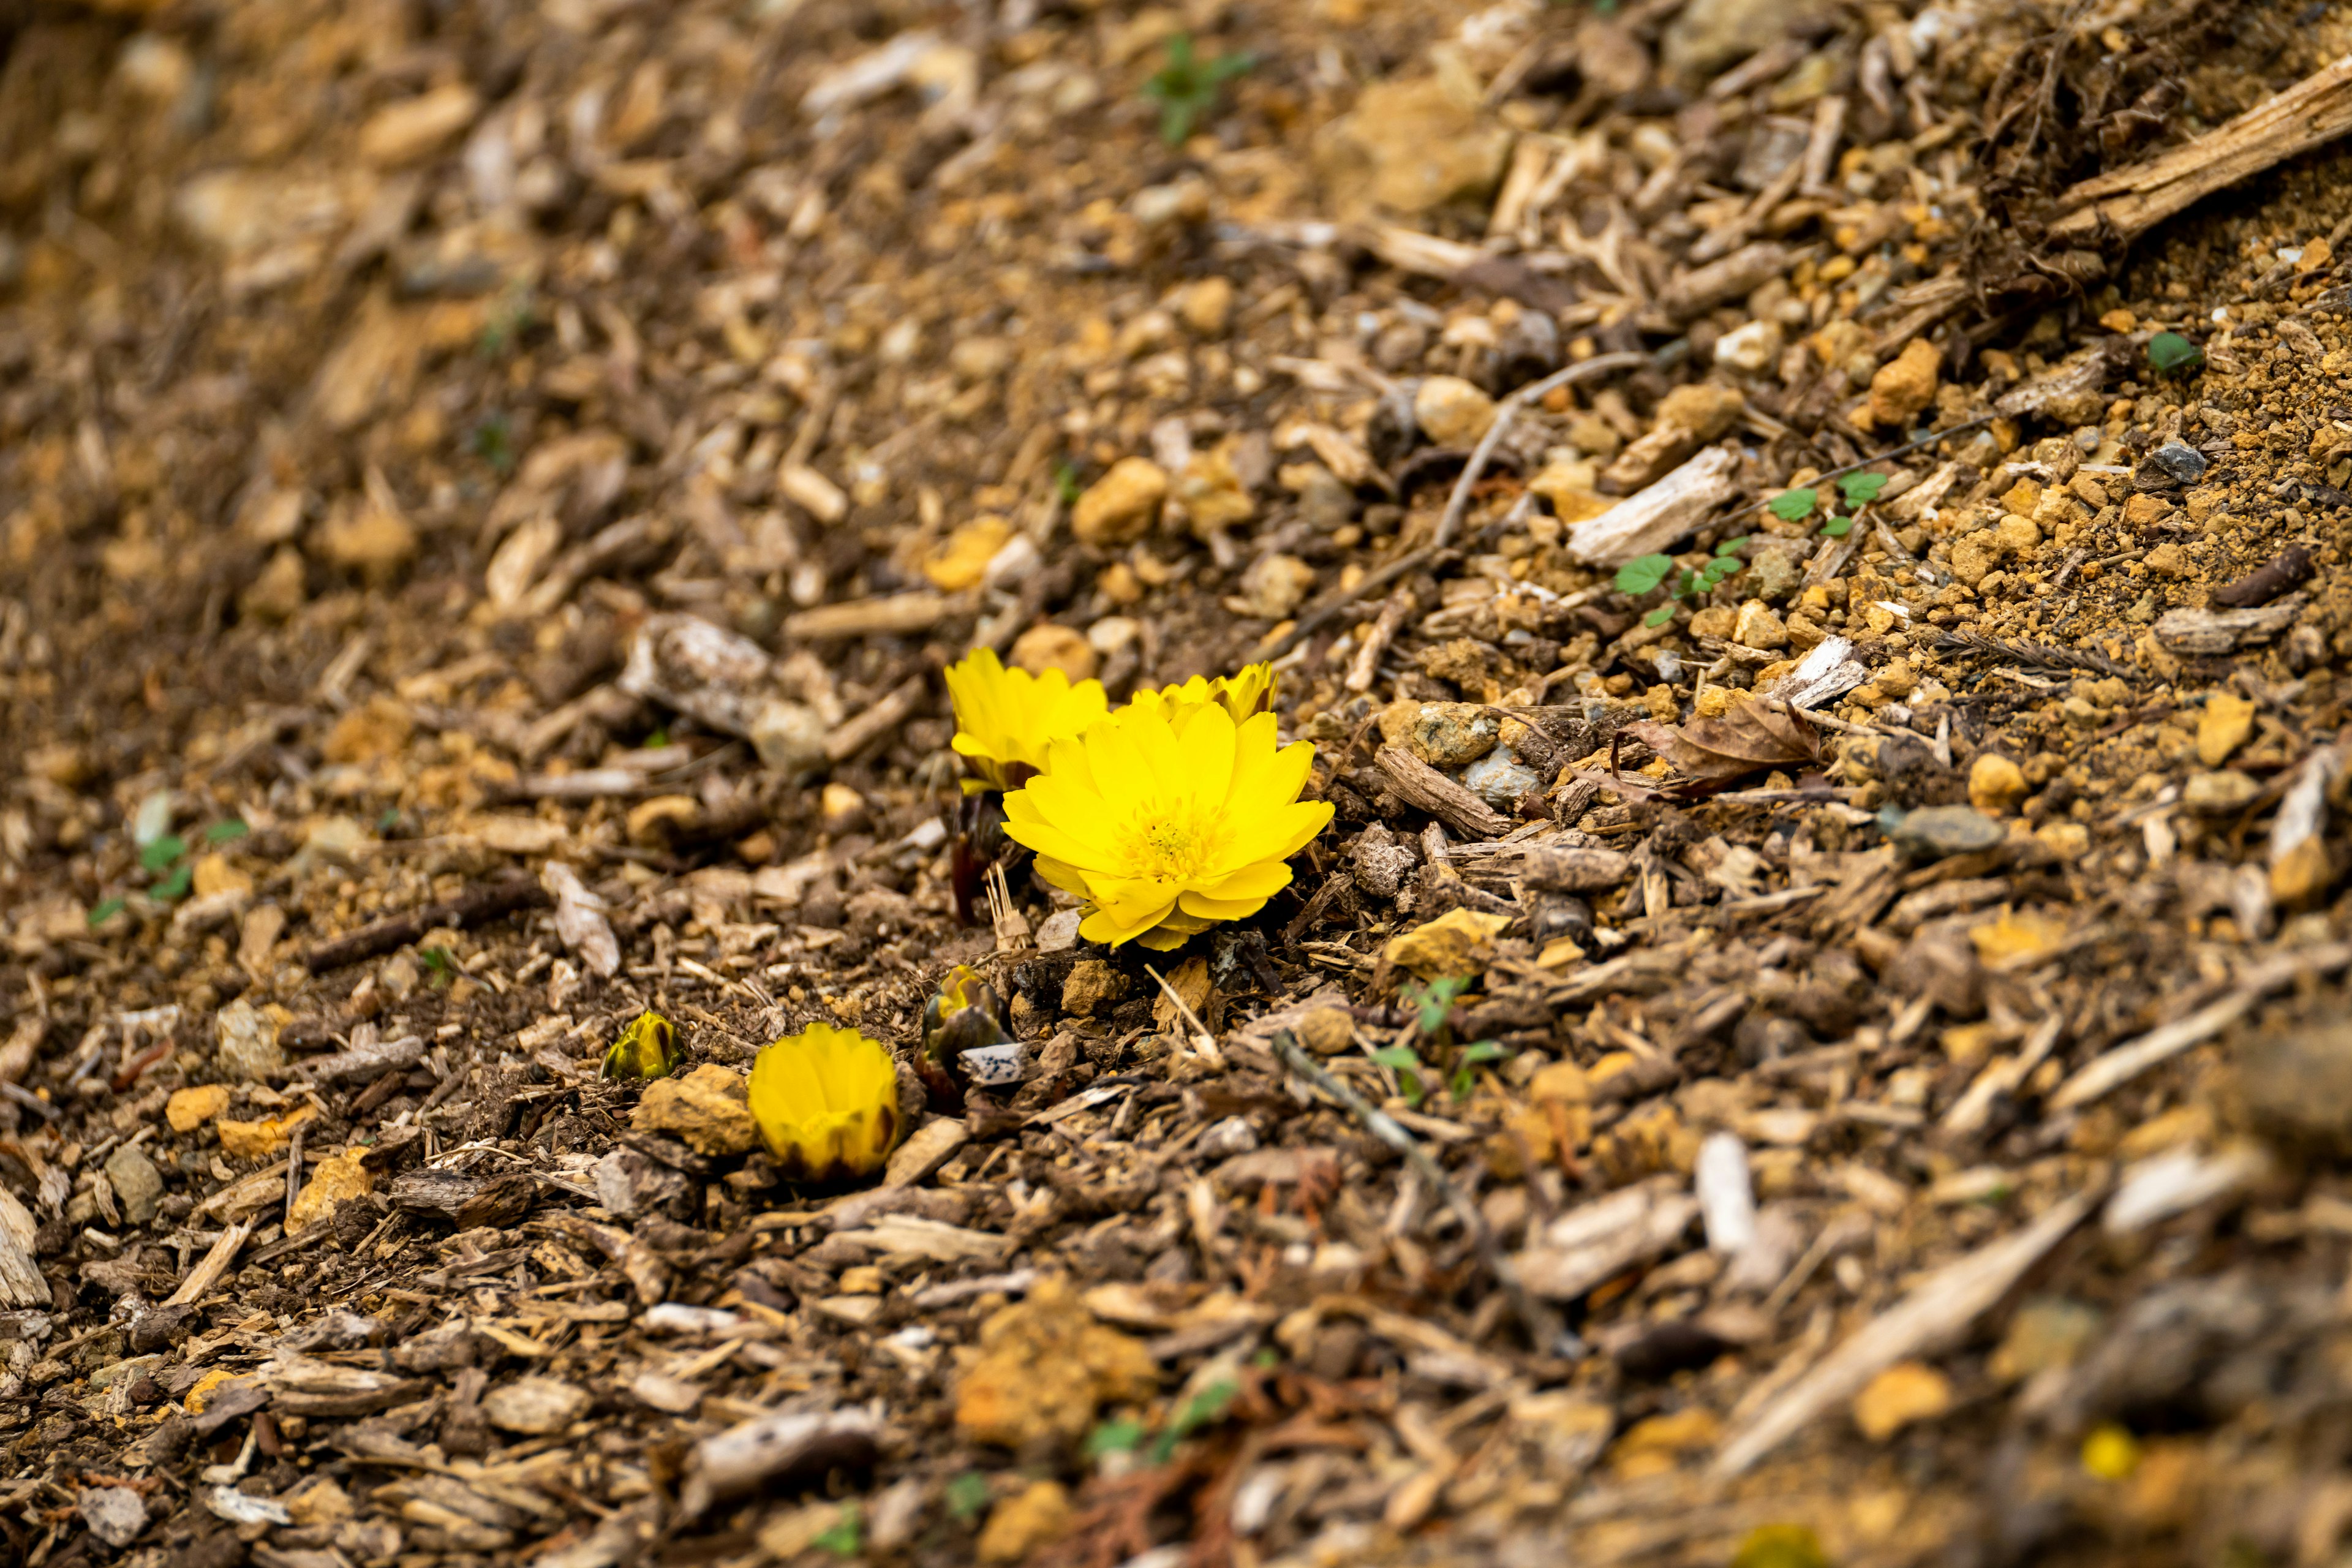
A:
(2172, 354)
(1473, 1055)
(1202, 1409)
(1186, 87)
(1861, 489)
(847, 1536)
(1408, 1068)
(967, 1496)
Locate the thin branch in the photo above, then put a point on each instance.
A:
(1544, 1332)
(2032, 655)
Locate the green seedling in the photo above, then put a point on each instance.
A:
(2171, 355)
(967, 1496)
(1187, 88)
(847, 1535)
(1204, 1408)
(1645, 574)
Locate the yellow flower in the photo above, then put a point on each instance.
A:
(1163, 828)
(648, 1048)
(1005, 719)
(1243, 694)
(826, 1100)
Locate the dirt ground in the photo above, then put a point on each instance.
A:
(1807, 538)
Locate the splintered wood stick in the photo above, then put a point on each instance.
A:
(1367, 664)
(208, 1271)
(2130, 201)
(884, 716)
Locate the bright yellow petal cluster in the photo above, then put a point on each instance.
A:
(647, 1050)
(1243, 695)
(1005, 719)
(826, 1100)
(1166, 827)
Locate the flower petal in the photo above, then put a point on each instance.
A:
(1219, 909)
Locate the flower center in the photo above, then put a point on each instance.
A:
(1173, 841)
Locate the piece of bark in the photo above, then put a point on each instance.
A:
(1661, 516)
(580, 922)
(1738, 275)
(428, 1190)
(1942, 1307)
(862, 729)
(303, 1385)
(2223, 631)
(2126, 203)
(209, 1269)
(1602, 1239)
(1825, 672)
(22, 1283)
(474, 906)
(2088, 370)
(2289, 570)
(1549, 871)
(770, 1448)
(228, 1403)
(368, 1060)
(895, 615)
(1423, 787)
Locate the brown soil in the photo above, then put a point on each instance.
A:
(381, 384)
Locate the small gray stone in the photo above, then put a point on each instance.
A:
(1774, 570)
(1233, 1135)
(1934, 831)
(246, 1042)
(115, 1514)
(1453, 735)
(1499, 778)
(1381, 864)
(138, 1186)
(2174, 463)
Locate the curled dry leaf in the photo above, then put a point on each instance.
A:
(1750, 738)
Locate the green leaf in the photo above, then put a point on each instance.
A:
(1186, 89)
(2173, 354)
(1793, 506)
(1484, 1051)
(1659, 616)
(1120, 1437)
(1861, 489)
(1731, 545)
(222, 831)
(1643, 572)
(1401, 1060)
(436, 958)
(1202, 1409)
(162, 852)
(1838, 527)
(847, 1537)
(967, 1496)
(1433, 1002)
(174, 886)
(658, 739)
(1718, 569)
(1065, 484)
(389, 820)
(104, 911)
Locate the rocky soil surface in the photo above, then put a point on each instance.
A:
(1807, 539)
